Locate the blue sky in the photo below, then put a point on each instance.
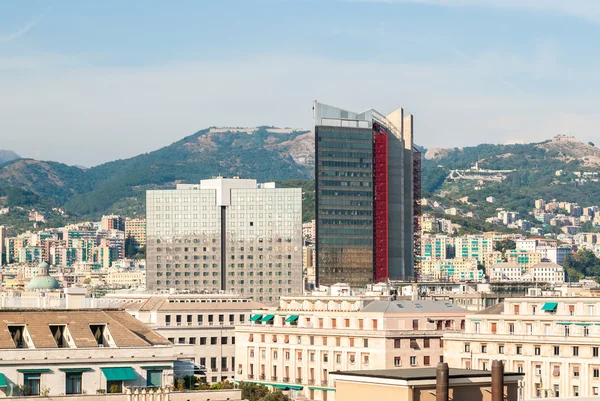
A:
(85, 82)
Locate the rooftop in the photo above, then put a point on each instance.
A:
(156, 303)
(420, 373)
(420, 306)
(126, 331)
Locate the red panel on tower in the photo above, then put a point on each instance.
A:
(380, 180)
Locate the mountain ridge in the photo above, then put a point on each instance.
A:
(271, 154)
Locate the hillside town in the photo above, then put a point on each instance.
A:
(182, 220)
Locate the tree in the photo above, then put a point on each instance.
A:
(87, 280)
(505, 245)
(276, 395)
(591, 143)
(130, 247)
(253, 391)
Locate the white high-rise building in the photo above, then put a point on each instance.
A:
(226, 234)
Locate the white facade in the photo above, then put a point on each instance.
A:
(226, 234)
(555, 341)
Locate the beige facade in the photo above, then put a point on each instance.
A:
(306, 338)
(198, 325)
(543, 272)
(136, 229)
(450, 270)
(554, 341)
(125, 277)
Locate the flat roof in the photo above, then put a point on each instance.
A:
(421, 373)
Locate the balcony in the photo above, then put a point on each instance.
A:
(262, 377)
(286, 379)
(311, 381)
(224, 369)
(324, 383)
(273, 378)
(299, 380)
(214, 369)
(250, 376)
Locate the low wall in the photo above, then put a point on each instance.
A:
(201, 395)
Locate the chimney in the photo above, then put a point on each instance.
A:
(441, 382)
(497, 381)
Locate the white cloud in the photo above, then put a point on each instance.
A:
(586, 9)
(86, 116)
(9, 37)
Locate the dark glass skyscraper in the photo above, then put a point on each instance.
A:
(364, 196)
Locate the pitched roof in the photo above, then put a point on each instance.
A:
(419, 306)
(126, 331)
(492, 310)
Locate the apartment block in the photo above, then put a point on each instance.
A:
(136, 229)
(201, 326)
(450, 270)
(554, 341)
(296, 346)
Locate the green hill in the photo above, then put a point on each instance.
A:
(119, 186)
(535, 175)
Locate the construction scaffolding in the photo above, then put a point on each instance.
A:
(417, 214)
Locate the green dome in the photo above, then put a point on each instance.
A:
(44, 265)
(43, 283)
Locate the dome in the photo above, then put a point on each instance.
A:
(43, 283)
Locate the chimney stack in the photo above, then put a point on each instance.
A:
(442, 382)
(497, 381)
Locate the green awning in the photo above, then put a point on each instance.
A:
(34, 370)
(321, 388)
(157, 367)
(286, 386)
(118, 374)
(475, 320)
(291, 318)
(550, 306)
(583, 324)
(75, 369)
(564, 323)
(3, 381)
(266, 318)
(255, 318)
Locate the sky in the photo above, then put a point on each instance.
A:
(85, 82)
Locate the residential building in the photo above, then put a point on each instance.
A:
(543, 272)
(112, 222)
(523, 258)
(427, 384)
(299, 344)
(309, 230)
(56, 352)
(450, 270)
(473, 247)
(435, 247)
(364, 171)
(554, 341)
(136, 230)
(198, 325)
(225, 234)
